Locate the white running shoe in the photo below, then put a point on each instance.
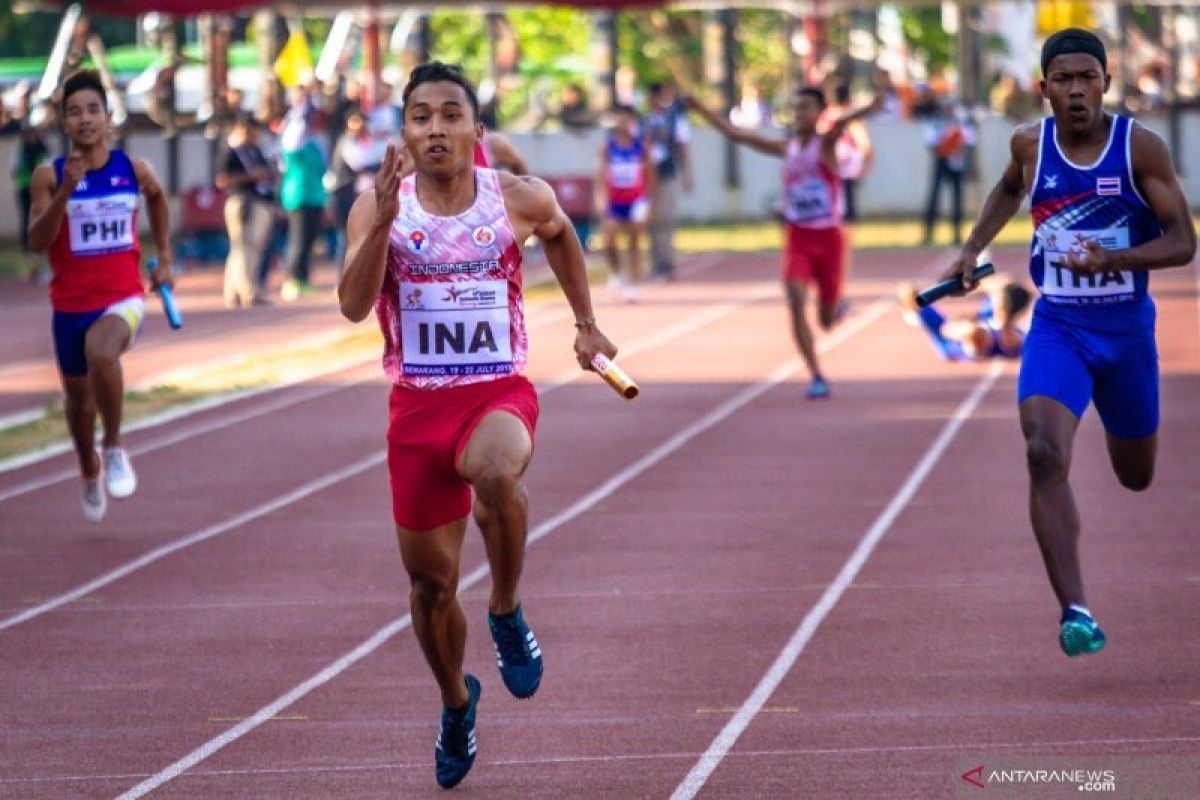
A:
(119, 476)
(94, 502)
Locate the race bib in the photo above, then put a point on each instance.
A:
(460, 328)
(102, 224)
(809, 200)
(1060, 284)
(625, 174)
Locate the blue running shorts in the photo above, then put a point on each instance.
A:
(71, 327)
(1116, 370)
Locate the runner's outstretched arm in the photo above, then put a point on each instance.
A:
(1001, 204)
(763, 144)
(367, 233)
(829, 139)
(1155, 176)
(159, 212)
(505, 154)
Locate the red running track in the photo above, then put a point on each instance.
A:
(682, 541)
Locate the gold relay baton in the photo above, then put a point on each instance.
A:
(615, 377)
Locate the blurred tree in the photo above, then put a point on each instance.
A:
(32, 34)
(929, 41)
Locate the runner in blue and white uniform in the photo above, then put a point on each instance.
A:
(1107, 208)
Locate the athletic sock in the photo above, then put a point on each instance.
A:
(1078, 609)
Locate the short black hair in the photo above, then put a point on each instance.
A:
(841, 94)
(86, 79)
(1073, 40)
(814, 93)
(622, 108)
(435, 72)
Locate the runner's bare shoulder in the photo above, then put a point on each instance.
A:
(527, 197)
(1025, 141)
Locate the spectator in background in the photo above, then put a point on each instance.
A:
(573, 112)
(892, 101)
(29, 153)
(385, 118)
(271, 109)
(302, 193)
(356, 157)
(668, 136)
(949, 136)
(751, 111)
(1009, 98)
(248, 179)
(855, 155)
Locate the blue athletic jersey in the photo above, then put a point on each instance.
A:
(1072, 204)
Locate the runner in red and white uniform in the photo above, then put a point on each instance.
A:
(625, 179)
(813, 244)
(437, 255)
(84, 212)
(497, 150)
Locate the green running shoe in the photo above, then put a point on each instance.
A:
(1079, 634)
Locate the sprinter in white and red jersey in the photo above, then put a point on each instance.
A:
(497, 150)
(438, 256)
(84, 212)
(812, 205)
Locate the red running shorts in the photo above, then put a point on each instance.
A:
(815, 255)
(427, 431)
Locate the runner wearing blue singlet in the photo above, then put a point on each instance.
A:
(1107, 209)
(996, 329)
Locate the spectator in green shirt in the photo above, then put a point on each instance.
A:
(302, 193)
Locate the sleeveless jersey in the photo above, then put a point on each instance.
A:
(451, 307)
(96, 255)
(812, 193)
(1072, 204)
(625, 177)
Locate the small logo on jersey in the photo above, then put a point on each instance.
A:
(1051, 182)
(413, 299)
(453, 293)
(119, 180)
(416, 241)
(1108, 187)
(81, 186)
(483, 236)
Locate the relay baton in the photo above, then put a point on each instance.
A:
(940, 290)
(168, 300)
(615, 377)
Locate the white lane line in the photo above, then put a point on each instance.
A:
(385, 633)
(646, 462)
(684, 327)
(21, 417)
(700, 772)
(633, 757)
(33, 457)
(184, 433)
(554, 311)
(199, 536)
